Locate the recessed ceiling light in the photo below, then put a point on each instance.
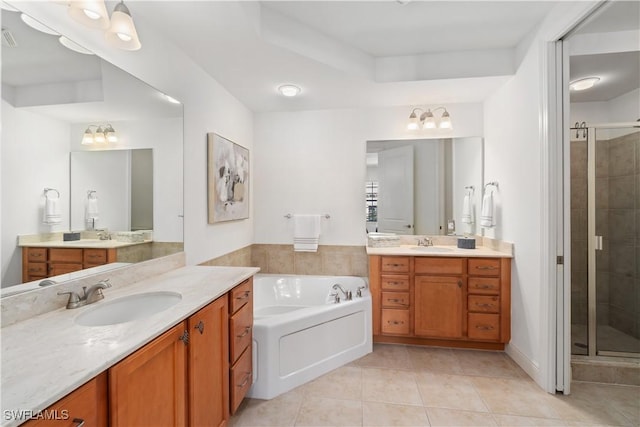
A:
(36, 25)
(582, 84)
(289, 90)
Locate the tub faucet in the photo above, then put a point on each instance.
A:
(347, 294)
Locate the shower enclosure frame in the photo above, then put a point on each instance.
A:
(594, 241)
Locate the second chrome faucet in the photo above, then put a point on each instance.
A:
(89, 295)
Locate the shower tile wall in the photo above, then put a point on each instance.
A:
(618, 220)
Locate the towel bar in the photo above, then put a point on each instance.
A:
(289, 216)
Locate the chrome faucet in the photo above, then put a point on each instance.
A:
(425, 241)
(89, 296)
(359, 291)
(347, 294)
(104, 235)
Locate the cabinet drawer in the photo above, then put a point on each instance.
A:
(394, 283)
(395, 299)
(37, 254)
(484, 285)
(37, 269)
(240, 327)
(395, 322)
(484, 267)
(484, 326)
(95, 256)
(241, 377)
(395, 264)
(240, 295)
(484, 304)
(440, 265)
(65, 255)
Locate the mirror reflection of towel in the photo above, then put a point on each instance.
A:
(52, 213)
(486, 218)
(91, 212)
(466, 209)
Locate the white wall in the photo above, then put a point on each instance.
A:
(624, 108)
(314, 162)
(208, 107)
(34, 166)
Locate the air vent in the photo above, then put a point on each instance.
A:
(7, 39)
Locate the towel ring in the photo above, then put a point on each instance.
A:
(470, 189)
(491, 184)
(91, 193)
(46, 190)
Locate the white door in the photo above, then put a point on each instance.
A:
(395, 190)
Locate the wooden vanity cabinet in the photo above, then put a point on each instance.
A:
(87, 404)
(240, 342)
(39, 262)
(451, 301)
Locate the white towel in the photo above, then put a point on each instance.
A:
(306, 233)
(91, 209)
(486, 217)
(467, 213)
(52, 213)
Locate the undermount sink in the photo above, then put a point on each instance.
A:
(431, 249)
(128, 308)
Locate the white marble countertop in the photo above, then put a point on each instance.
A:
(439, 251)
(82, 243)
(46, 357)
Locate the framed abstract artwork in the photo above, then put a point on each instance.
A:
(227, 180)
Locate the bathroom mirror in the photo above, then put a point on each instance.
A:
(417, 186)
(50, 96)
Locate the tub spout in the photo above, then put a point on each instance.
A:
(347, 294)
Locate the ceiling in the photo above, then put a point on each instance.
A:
(348, 54)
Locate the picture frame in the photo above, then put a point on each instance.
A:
(227, 180)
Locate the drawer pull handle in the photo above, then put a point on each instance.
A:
(244, 295)
(246, 380)
(486, 267)
(245, 333)
(396, 322)
(79, 422)
(200, 327)
(396, 300)
(485, 327)
(38, 255)
(184, 337)
(485, 305)
(483, 286)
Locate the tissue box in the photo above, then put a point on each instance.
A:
(71, 236)
(466, 243)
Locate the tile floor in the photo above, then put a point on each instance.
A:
(412, 386)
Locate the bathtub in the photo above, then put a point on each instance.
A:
(301, 333)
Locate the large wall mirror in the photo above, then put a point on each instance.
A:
(418, 186)
(51, 95)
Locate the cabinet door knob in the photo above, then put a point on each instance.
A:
(459, 283)
(200, 327)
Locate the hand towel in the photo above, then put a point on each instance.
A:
(52, 213)
(91, 209)
(486, 218)
(306, 233)
(466, 209)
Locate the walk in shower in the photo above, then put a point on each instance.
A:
(605, 240)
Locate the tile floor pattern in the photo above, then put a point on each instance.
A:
(414, 386)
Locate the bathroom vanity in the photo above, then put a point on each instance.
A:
(190, 364)
(441, 296)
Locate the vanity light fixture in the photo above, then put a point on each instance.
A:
(100, 135)
(428, 121)
(289, 90)
(583, 84)
(122, 32)
(91, 13)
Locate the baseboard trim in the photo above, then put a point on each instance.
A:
(529, 366)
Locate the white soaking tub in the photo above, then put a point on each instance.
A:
(301, 333)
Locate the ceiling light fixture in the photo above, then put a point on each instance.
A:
(289, 90)
(91, 13)
(122, 32)
(428, 121)
(583, 84)
(69, 44)
(100, 135)
(36, 25)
